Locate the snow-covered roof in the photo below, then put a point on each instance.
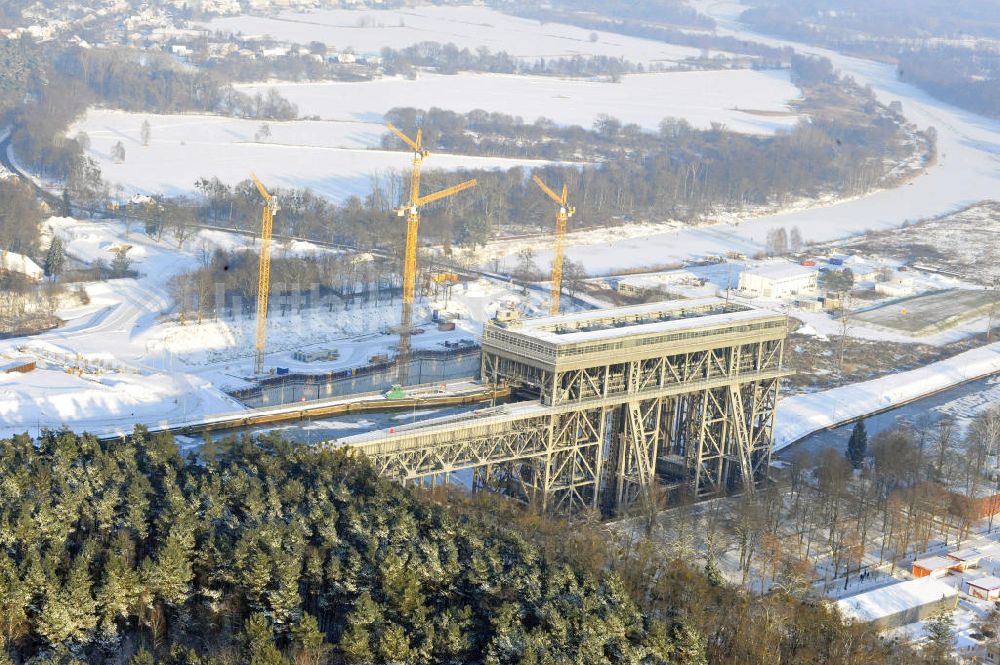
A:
(989, 583)
(934, 563)
(779, 271)
(19, 263)
(642, 319)
(890, 600)
(9, 365)
(967, 554)
(655, 280)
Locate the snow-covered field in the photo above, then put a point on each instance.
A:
(330, 158)
(368, 31)
(967, 172)
(334, 157)
(700, 98)
(113, 330)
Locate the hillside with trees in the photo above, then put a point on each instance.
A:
(265, 552)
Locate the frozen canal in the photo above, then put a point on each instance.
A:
(961, 402)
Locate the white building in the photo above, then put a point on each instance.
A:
(779, 279)
(896, 288)
(899, 604)
(12, 262)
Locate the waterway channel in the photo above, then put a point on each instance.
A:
(961, 402)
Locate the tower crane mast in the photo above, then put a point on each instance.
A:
(270, 209)
(566, 211)
(411, 211)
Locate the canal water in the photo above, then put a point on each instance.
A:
(961, 402)
(301, 388)
(313, 431)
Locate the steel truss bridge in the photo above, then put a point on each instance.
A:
(684, 390)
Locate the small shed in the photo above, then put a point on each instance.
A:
(984, 588)
(896, 288)
(19, 366)
(899, 604)
(966, 558)
(934, 566)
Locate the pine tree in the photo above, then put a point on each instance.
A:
(355, 645)
(941, 638)
(857, 445)
(258, 641)
(118, 152)
(70, 611)
(309, 642)
(712, 572)
(121, 263)
(171, 574)
(55, 258)
(689, 645)
(141, 657)
(144, 132)
(393, 644)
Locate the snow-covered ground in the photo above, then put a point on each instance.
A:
(801, 415)
(332, 159)
(968, 171)
(334, 156)
(700, 98)
(138, 363)
(113, 330)
(368, 31)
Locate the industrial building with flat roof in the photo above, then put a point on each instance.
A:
(899, 604)
(779, 279)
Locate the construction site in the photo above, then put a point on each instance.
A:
(542, 396)
(599, 407)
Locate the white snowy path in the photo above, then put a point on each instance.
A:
(968, 171)
(802, 415)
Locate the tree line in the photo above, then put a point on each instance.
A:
(266, 552)
(45, 87)
(649, 20)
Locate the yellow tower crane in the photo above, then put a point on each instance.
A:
(264, 273)
(562, 217)
(412, 213)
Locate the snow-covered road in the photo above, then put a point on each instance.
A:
(968, 171)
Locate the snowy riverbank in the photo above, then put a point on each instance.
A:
(802, 415)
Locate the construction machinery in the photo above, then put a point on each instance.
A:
(562, 218)
(264, 272)
(411, 211)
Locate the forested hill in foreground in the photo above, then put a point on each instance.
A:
(268, 553)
